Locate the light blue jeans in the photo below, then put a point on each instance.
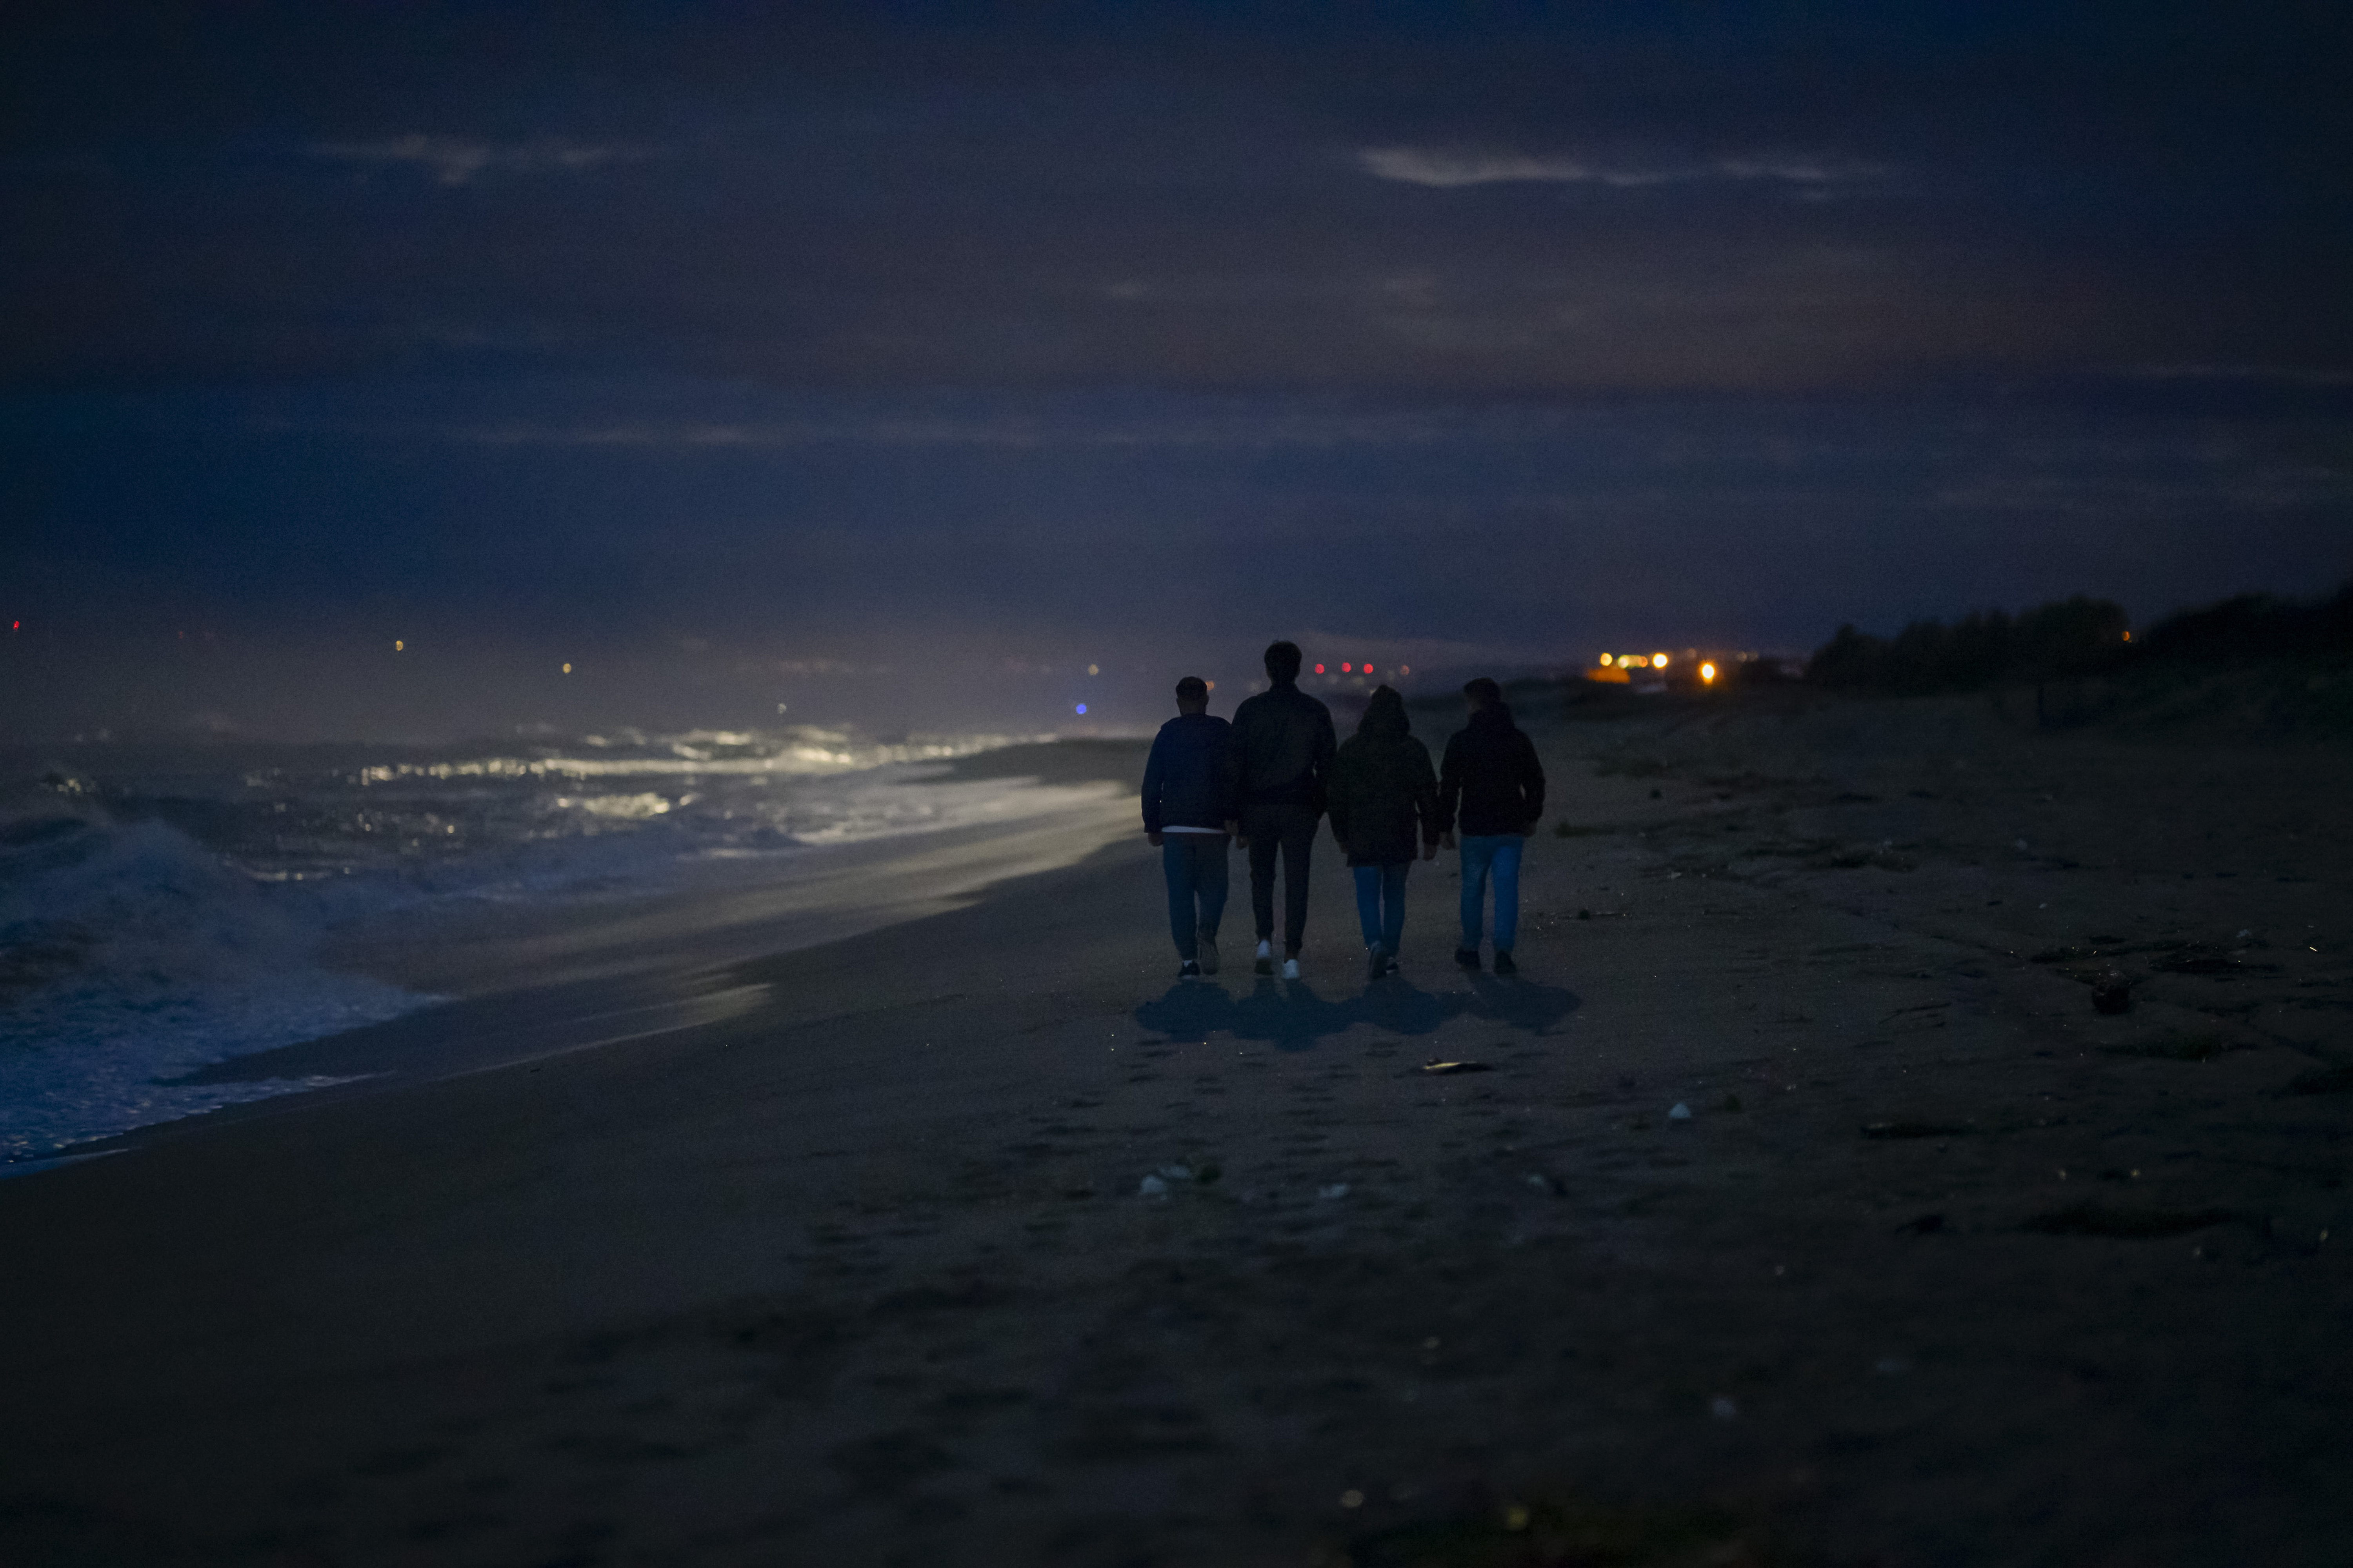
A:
(1380, 904)
(1498, 853)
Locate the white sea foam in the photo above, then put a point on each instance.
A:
(130, 956)
(166, 915)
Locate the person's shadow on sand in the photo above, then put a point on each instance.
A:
(1291, 1015)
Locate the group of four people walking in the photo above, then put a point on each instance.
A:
(1268, 778)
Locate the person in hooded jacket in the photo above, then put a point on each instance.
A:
(1491, 770)
(1383, 802)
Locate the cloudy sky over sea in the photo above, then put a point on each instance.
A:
(902, 365)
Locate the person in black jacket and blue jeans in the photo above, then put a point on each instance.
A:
(1189, 805)
(1282, 746)
(1491, 771)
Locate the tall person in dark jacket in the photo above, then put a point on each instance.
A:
(1384, 805)
(1491, 770)
(1282, 750)
(1188, 809)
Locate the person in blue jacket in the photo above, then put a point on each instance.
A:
(1192, 798)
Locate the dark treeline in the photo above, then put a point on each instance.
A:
(2079, 636)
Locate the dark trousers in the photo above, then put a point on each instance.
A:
(1291, 831)
(1195, 864)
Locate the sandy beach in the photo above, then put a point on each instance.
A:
(835, 1250)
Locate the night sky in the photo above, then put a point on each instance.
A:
(898, 368)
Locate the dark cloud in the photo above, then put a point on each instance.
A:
(1594, 199)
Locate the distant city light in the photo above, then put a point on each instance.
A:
(397, 645)
(1213, 686)
(1707, 672)
(1658, 661)
(568, 668)
(2127, 635)
(1343, 668)
(1605, 661)
(1319, 669)
(1083, 707)
(1093, 670)
(1405, 669)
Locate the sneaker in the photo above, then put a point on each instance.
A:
(1392, 967)
(1291, 968)
(1468, 957)
(1504, 965)
(1188, 969)
(1208, 946)
(1377, 962)
(1266, 958)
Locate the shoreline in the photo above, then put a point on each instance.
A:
(501, 982)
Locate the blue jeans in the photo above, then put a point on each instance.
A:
(1380, 904)
(1195, 868)
(1498, 853)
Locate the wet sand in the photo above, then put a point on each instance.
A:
(1943, 1267)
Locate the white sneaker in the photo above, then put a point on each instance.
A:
(1266, 957)
(1207, 946)
(1291, 968)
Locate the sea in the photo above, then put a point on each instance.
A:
(163, 909)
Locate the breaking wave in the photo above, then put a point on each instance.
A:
(164, 912)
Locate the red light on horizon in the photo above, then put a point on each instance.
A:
(1319, 669)
(1343, 669)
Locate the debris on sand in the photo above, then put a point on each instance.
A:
(1681, 1112)
(2132, 1225)
(1559, 1529)
(1435, 1066)
(1335, 1190)
(2335, 1080)
(2197, 1047)
(1913, 1130)
(1152, 1187)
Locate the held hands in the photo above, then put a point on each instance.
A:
(1154, 839)
(1429, 849)
(1445, 840)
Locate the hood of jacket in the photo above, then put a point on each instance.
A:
(1384, 714)
(1497, 717)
